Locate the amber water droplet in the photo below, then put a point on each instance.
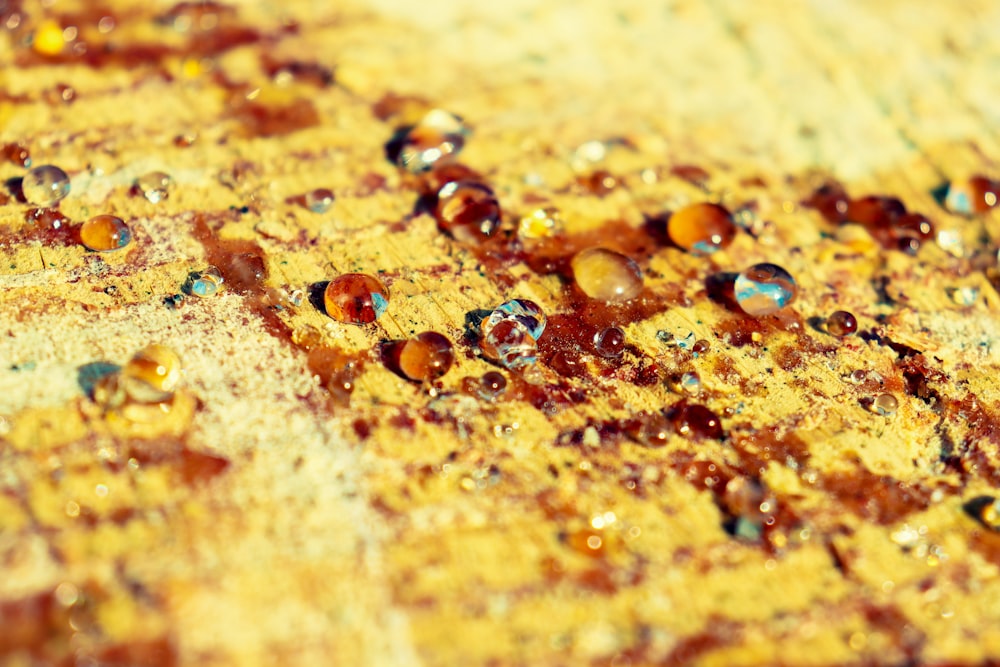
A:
(437, 138)
(355, 298)
(885, 405)
(606, 275)
(45, 185)
(600, 182)
(610, 342)
(988, 512)
(152, 375)
(467, 210)
(104, 233)
(319, 200)
(697, 421)
(763, 289)
(841, 323)
(701, 228)
(491, 385)
(701, 346)
(17, 154)
(426, 357)
(154, 186)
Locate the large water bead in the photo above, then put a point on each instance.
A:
(425, 357)
(105, 233)
(467, 210)
(355, 298)
(524, 311)
(701, 228)
(763, 289)
(152, 375)
(45, 185)
(606, 275)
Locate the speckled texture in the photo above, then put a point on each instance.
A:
(261, 522)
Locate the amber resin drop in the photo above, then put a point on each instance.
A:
(152, 375)
(426, 356)
(702, 228)
(104, 233)
(841, 323)
(355, 298)
(468, 211)
(606, 275)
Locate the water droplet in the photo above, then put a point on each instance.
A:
(610, 342)
(841, 323)
(974, 195)
(964, 296)
(319, 200)
(542, 223)
(154, 186)
(600, 182)
(701, 228)
(491, 385)
(45, 185)
(355, 298)
(204, 283)
(152, 375)
(701, 346)
(438, 137)
(606, 275)
(17, 154)
(525, 312)
(763, 289)
(426, 356)
(467, 210)
(696, 421)
(885, 405)
(510, 343)
(104, 233)
(686, 383)
(989, 513)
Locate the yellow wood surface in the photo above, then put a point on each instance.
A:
(453, 543)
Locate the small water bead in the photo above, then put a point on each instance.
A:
(105, 233)
(467, 210)
(525, 312)
(885, 405)
(701, 228)
(701, 346)
(45, 185)
(510, 344)
(492, 385)
(319, 200)
(355, 298)
(841, 323)
(437, 138)
(17, 154)
(974, 195)
(542, 223)
(204, 283)
(426, 357)
(154, 186)
(152, 375)
(606, 275)
(686, 383)
(610, 343)
(964, 296)
(763, 289)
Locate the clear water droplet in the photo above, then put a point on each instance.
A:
(154, 186)
(45, 185)
(204, 283)
(764, 288)
(527, 313)
(319, 200)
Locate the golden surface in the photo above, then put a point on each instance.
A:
(472, 538)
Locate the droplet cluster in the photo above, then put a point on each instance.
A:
(885, 218)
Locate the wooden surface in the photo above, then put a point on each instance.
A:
(259, 524)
